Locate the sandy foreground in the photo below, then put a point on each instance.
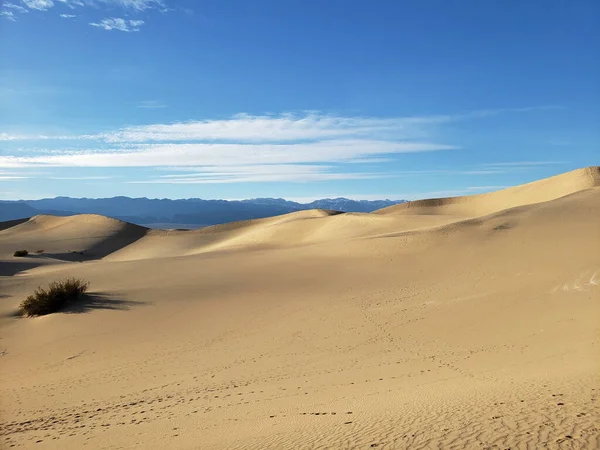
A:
(470, 323)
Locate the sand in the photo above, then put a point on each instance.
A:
(471, 322)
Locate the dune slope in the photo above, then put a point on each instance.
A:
(391, 331)
(93, 235)
(482, 204)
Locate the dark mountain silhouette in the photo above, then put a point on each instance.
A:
(15, 210)
(193, 211)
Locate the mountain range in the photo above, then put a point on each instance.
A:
(191, 213)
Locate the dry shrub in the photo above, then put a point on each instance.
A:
(58, 295)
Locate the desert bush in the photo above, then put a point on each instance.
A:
(21, 253)
(39, 251)
(58, 295)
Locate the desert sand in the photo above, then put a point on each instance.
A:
(471, 322)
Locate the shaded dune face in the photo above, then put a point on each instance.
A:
(470, 322)
(81, 237)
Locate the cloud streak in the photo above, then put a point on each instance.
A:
(119, 24)
(10, 10)
(8, 15)
(40, 5)
(290, 147)
(290, 173)
(289, 127)
(163, 155)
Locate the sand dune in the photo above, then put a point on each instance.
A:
(464, 323)
(86, 236)
(482, 204)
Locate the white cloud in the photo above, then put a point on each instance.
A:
(14, 7)
(135, 5)
(272, 128)
(10, 137)
(264, 178)
(222, 154)
(40, 5)
(286, 127)
(9, 15)
(71, 3)
(116, 23)
(287, 147)
(8, 10)
(83, 178)
(138, 5)
(289, 127)
(294, 173)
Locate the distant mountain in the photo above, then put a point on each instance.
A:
(15, 210)
(194, 212)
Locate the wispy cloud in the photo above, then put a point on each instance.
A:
(82, 178)
(15, 7)
(286, 127)
(40, 5)
(291, 173)
(119, 24)
(9, 10)
(291, 147)
(134, 5)
(222, 154)
(254, 174)
(151, 104)
(71, 3)
(138, 5)
(8, 15)
(12, 177)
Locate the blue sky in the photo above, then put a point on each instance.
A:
(294, 99)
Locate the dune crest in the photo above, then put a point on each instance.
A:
(79, 237)
(103, 237)
(482, 204)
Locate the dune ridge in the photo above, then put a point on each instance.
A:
(80, 237)
(122, 241)
(481, 204)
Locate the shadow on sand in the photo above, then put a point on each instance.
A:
(12, 223)
(10, 268)
(71, 256)
(89, 302)
(99, 300)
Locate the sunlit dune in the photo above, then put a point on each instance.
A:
(468, 322)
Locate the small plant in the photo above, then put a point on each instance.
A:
(20, 253)
(58, 295)
(39, 251)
